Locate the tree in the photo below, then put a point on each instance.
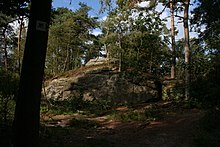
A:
(135, 33)
(187, 49)
(184, 4)
(7, 38)
(171, 4)
(19, 50)
(27, 113)
(8, 89)
(11, 11)
(152, 4)
(70, 39)
(206, 22)
(172, 40)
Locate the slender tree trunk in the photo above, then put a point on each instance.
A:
(66, 60)
(57, 66)
(5, 49)
(27, 112)
(105, 46)
(21, 19)
(172, 41)
(120, 55)
(187, 50)
(72, 58)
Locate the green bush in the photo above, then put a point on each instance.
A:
(206, 91)
(99, 107)
(8, 89)
(139, 115)
(205, 88)
(76, 104)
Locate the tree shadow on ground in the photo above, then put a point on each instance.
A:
(175, 128)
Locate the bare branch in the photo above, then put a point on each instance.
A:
(179, 16)
(164, 8)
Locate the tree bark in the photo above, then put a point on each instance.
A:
(21, 23)
(120, 55)
(187, 50)
(172, 76)
(27, 112)
(5, 49)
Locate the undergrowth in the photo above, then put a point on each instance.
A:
(208, 134)
(77, 105)
(137, 115)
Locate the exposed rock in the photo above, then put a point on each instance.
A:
(100, 81)
(101, 61)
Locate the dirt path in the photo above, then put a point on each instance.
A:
(175, 130)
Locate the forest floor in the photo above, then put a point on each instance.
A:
(176, 126)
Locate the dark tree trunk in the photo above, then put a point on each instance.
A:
(27, 112)
(187, 49)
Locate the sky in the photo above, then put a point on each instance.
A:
(95, 5)
(74, 4)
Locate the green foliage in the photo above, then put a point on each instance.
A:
(147, 115)
(135, 40)
(205, 88)
(204, 71)
(70, 39)
(100, 107)
(4, 19)
(56, 107)
(10, 13)
(77, 105)
(206, 15)
(15, 7)
(206, 91)
(173, 90)
(8, 89)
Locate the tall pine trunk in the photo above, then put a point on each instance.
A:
(172, 76)
(187, 50)
(27, 112)
(21, 23)
(5, 48)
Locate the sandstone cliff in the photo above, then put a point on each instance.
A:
(100, 79)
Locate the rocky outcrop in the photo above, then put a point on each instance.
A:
(100, 81)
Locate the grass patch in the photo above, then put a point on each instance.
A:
(138, 115)
(75, 105)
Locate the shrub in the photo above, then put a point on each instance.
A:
(8, 89)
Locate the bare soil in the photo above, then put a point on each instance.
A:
(176, 129)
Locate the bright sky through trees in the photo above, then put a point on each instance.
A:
(95, 5)
(74, 4)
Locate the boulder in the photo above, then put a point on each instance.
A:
(100, 81)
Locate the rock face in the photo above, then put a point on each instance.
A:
(100, 81)
(101, 61)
